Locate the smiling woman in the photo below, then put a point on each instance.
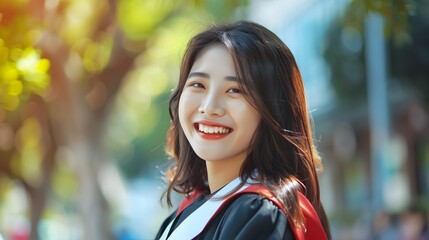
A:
(241, 140)
(216, 118)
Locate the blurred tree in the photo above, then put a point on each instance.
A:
(409, 61)
(406, 31)
(62, 66)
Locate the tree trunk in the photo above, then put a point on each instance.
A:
(77, 131)
(91, 203)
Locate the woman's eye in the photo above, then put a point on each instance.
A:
(196, 85)
(234, 90)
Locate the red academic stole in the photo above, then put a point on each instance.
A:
(313, 227)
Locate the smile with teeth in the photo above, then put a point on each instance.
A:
(212, 129)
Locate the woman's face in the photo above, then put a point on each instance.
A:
(216, 118)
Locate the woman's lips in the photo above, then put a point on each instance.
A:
(212, 131)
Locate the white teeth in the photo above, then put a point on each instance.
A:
(209, 129)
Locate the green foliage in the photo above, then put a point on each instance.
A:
(409, 62)
(406, 32)
(395, 12)
(64, 183)
(345, 54)
(224, 10)
(96, 55)
(27, 164)
(138, 19)
(79, 20)
(22, 72)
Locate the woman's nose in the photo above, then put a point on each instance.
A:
(212, 105)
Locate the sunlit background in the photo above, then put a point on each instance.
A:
(84, 87)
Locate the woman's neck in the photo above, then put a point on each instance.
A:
(220, 173)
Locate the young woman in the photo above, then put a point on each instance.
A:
(241, 140)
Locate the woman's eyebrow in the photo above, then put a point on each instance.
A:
(206, 75)
(198, 74)
(231, 78)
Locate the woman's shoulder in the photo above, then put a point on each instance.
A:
(251, 216)
(256, 207)
(253, 203)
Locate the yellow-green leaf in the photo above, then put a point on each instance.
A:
(15, 88)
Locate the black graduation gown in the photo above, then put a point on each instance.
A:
(249, 216)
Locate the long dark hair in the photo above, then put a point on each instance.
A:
(285, 157)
